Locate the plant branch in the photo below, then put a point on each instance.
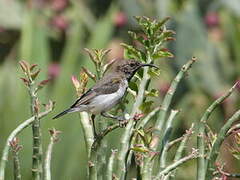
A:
(100, 136)
(13, 134)
(166, 103)
(201, 132)
(87, 131)
(16, 164)
(125, 139)
(154, 144)
(210, 164)
(173, 166)
(166, 138)
(109, 174)
(181, 147)
(145, 120)
(47, 166)
(37, 144)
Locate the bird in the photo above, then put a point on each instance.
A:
(108, 91)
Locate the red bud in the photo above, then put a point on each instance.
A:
(33, 66)
(25, 81)
(24, 65)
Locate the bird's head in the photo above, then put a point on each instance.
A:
(129, 67)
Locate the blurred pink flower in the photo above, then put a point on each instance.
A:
(53, 70)
(60, 22)
(59, 5)
(211, 19)
(120, 19)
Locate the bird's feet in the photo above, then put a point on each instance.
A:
(122, 121)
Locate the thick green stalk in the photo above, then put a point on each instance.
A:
(13, 134)
(125, 139)
(176, 164)
(47, 165)
(37, 144)
(167, 134)
(201, 132)
(166, 103)
(95, 148)
(147, 118)
(109, 174)
(180, 149)
(148, 163)
(89, 139)
(16, 166)
(87, 131)
(210, 163)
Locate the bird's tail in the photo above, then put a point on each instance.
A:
(64, 112)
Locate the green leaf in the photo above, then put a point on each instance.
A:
(133, 86)
(162, 54)
(153, 72)
(140, 149)
(146, 107)
(131, 52)
(158, 25)
(152, 93)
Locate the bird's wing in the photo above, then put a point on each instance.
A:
(109, 86)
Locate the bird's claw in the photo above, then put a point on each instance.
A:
(122, 122)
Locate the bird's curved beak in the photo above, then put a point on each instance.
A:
(150, 65)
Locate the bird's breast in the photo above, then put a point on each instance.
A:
(105, 102)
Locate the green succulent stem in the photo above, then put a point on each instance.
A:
(201, 163)
(13, 134)
(125, 138)
(148, 162)
(16, 166)
(210, 163)
(37, 164)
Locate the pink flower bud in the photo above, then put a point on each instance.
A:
(120, 19)
(75, 82)
(59, 5)
(53, 70)
(60, 22)
(212, 19)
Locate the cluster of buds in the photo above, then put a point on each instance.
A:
(153, 35)
(98, 56)
(54, 134)
(31, 74)
(80, 85)
(15, 145)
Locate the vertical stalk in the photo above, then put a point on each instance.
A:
(16, 163)
(47, 165)
(147, 167)
(201, 166)
(125, 139)
(16, 166)
(167, 134)
(37, 144)
(109, 174)
(13, 134)
(210, 163)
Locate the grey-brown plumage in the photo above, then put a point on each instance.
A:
(109, 90)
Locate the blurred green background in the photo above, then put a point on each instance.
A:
(53, 33)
